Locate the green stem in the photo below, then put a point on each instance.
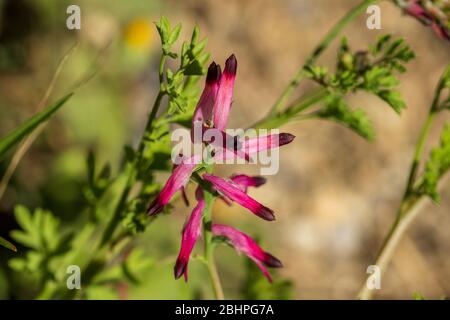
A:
(209, 249)
(305, 102)
(321, 47)
(132, 167)
(406, 214)
(408, 209)
(418, 154)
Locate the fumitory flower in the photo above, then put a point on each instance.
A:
(177, 180)
(214, 104)
(191, 232)
(243, 243)
(235, 193)
(244, 181)
(212, 112)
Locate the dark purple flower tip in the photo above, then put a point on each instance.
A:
(214, 73)
(180, 268)
(285, 138)
(266, 213)
(155, 207)
(230, 66)
(259, 181)
(271, 261)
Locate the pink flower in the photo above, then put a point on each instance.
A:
(235, 193)
(224, 98)
(214, 105)
(177, 180)
(252, 146)
(243, 243)
(204, 109)
(244, 181)
(191, 233)
(211, 113)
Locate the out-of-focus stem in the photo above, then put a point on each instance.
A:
(409, 206)
(405, 214)
(28, 141)
(131, 168)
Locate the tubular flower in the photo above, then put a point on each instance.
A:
(243, 243)
(216, 98)
(235, 193)
(191, 232)
(204, 108)
(212, 112)
(177, 180)
(252, 146)
(243, 181)
(224, 98)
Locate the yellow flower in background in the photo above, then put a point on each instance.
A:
(139, 33)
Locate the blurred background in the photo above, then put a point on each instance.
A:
(335, 195)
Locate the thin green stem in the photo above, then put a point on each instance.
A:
(408, 209)
(418, 154)
(209, 249)
(131, 168)
(306, 101)
(321, 47)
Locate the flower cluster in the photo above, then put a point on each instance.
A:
(431, 13)
(212, 111)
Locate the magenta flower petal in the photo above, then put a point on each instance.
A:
(244, 181)
(254, 145)
(178, 179)
(224, 98)
(191, 233)
(222, 140)
(234, 193)
(203, 110)
(249, 247)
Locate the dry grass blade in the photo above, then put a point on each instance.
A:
(28, 141)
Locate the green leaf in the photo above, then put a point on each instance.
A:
(163, 28)
(381, 82)
(394, 99)
(336, 109)
(5, 243)
(194, 69)
(418, 296)
(174, 34)
(8, 141)
(29, 237)
(381, 43)
(195, 35)
(437, 165)
(40, 231)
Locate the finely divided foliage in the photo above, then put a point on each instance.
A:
(120, 205)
